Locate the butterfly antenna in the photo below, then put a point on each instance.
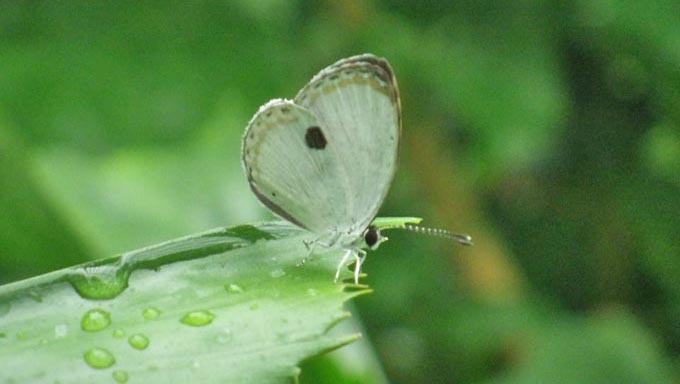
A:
(457, 237)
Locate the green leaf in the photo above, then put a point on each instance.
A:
(228, 305)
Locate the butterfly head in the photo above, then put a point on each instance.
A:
(373, 238)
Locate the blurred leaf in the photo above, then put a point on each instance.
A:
(490, 71)
(612, 348)
(661, 152)
(130, 198)
(35, 238)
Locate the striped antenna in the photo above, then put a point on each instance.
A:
(457, 237)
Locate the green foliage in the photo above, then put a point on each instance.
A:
(228, 305)
(547, 131)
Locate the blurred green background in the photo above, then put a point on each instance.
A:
(549, 131)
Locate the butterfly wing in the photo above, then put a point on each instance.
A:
(289, 166)
(357, 99)
(325, 161)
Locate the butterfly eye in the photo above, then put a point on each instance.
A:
(372, 236)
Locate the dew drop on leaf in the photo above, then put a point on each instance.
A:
(138, 341)
(95, 320)
(151, 313)
(120, 376)
(198, 318)
(99, 358)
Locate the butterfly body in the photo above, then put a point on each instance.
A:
(325, 160)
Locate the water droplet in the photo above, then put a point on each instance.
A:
(196, 364)
(151, 313)
(233, 288)
(118, 333)
(120, 376)
(224, 336)
(198, 318)
(95, 320)
(99, 358)
(99, 281)
(138, 341)
(312, 292)
(277, 273)
(60, 330)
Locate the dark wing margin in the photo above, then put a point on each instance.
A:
(366, 58)
(264, 109)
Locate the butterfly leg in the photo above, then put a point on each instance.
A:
(323, 241)
(343, 261)
(359, 256)
(311, 245)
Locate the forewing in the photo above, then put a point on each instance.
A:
(292, 166)
(357, 101)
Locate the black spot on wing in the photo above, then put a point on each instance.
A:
(315, 138)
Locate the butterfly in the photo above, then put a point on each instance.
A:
(325, 160)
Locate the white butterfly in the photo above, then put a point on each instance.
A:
(325, 160)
